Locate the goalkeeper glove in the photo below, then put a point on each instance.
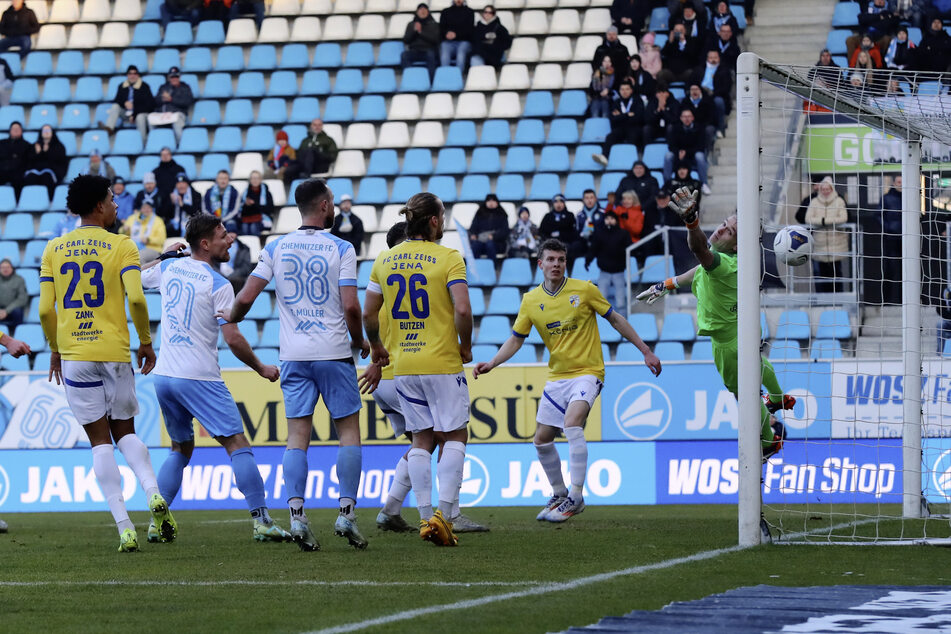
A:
(658, 290)
(683, 202)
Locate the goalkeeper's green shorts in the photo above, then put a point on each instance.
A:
(726, 358)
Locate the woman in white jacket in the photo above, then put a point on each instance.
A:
(825, 212)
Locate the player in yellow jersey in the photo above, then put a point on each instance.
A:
(424, 286)
(84, 280)
(564, 310)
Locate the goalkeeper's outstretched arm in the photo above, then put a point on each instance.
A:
(660, 289)
(683, 202)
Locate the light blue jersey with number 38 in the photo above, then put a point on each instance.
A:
(308, 267)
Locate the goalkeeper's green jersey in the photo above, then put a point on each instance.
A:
(715, 289)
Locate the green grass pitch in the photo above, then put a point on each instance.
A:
(61, 572)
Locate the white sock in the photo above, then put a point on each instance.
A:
(420, 474)
(551, 463)
(449, 471)
(577, 460)
(296, 506)
(399, 489)
(107, 475)
(456, 511)
(137, 455)
(346, 508)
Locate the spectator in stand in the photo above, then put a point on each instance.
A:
(641, 182)
(716, 81)
(17, 26)
(609, 245)
(825, 212)
(629, 16)
(685, 142)
(630, 215)
(149, 193)
(281, 161)
(147, 232)
(661, 114)
(891, 243)
(132, 104)
(257, 207)
(186, 202)
(6, 82)
(804, 205)
(13, 296)
(456, 26)
(247, 7)
(627, 122)
(680, 54)
(491, 40)
(421, 39)
(239, 265)
(221, 200)
(69, 222)
(725, 43)
(864, 69)
(180, 10)
(560, 223)
(879, 21)
(603, 81)
(643, 83)
(99, 166)
(217, 10)
(650, 53)
(15, 154)
(705, 113)
(347, 225)
(826, 71)
(934, 49)
(175, 99)
(675, 6)
(489, 232)
(524, 237)
(166, 177)
(317, 150)
(868, 47)
(682, 178)
(912, 11)
(123, 198)
(613, 47)
(590, 216)
(722, 15)
(901, 51)
(694, 21)
(47, 163)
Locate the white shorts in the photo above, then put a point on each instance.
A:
(100, 388)
(434, 401)
(559, 394)
(389, 403)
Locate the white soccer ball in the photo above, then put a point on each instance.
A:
(793, 245)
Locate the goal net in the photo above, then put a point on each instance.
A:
(857, 334)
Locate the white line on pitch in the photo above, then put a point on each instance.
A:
(252, 582)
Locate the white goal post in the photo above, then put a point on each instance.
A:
(906, 122)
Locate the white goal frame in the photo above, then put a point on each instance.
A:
(751, 70)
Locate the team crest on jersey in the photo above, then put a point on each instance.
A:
(541, 306)
(574, 300)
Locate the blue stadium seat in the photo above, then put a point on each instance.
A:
(504, 300)
(383, 162)
(654, 154)
(187, 161)
(262, 57)
(315, 82)
(461, 134)
(283, 83)
(510, 187)
(43, 114)
(205, 113)
(836, 42)
(32, 335)
(75, 116)
(294, 57)
(784, 351)
(415, 79)
(645, 325)
(577, 183)
(678, 327)
(609, 183)
(554, 158)
(260, 310)
(389, 53)
(25, 90)
(626, 352)
(226, 139)
(834, 324)
(153, 301)
(359, 55)
(249, 84)
(146, 34)
(163, 59)
(483, 353)
(269, 356)
(496, 132)
(482, 275)
(211, 164)
(485, 160)
(154, 82)
(127, 141)
(38, 64)
(474, 188)
(338, 109)
(229, 59)
(530, 132)
(259, 138)
(10, 250)
(15, 364)
(180, 34)
(525, 354)
(449, 161)
(209, 32)
(539, 104)
(606, 332)
(585, 163)
(519, 160)
(194, 140)
(328, 55)
(42, 362)
(137, 57)
(845, 15)
(270, 333)
(33, 198)
(371, 108)
(217, 86)
(544, 186)
(419, 161)
(572, 103)
(341, 186)
(159, 138)
(9, 114)
(348, 81)
(657, 268)
(363, 273)
(18, 226)
(596, 130)
(793, 324)
(295, 134)
(13, 60)
(272, 110)
(197, 60)
(825, 349)
(33, 254)
(622, 157)
(59, 198)
(579, 272)
(447, 79)
(48, 220)
(658, 19)
(494, 330)
(564, 131)
(89, 89)
(143, 164)
(238, 112)
(71, 63)
(477, 301)
(931, 88)
(515, 272)
(444, 187)
(372, 191)
(702, 351)
(304, 110)
(670, 351)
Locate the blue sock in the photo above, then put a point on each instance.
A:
(295, 472)
(248, 477)
(170, 475)
(349, 467)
